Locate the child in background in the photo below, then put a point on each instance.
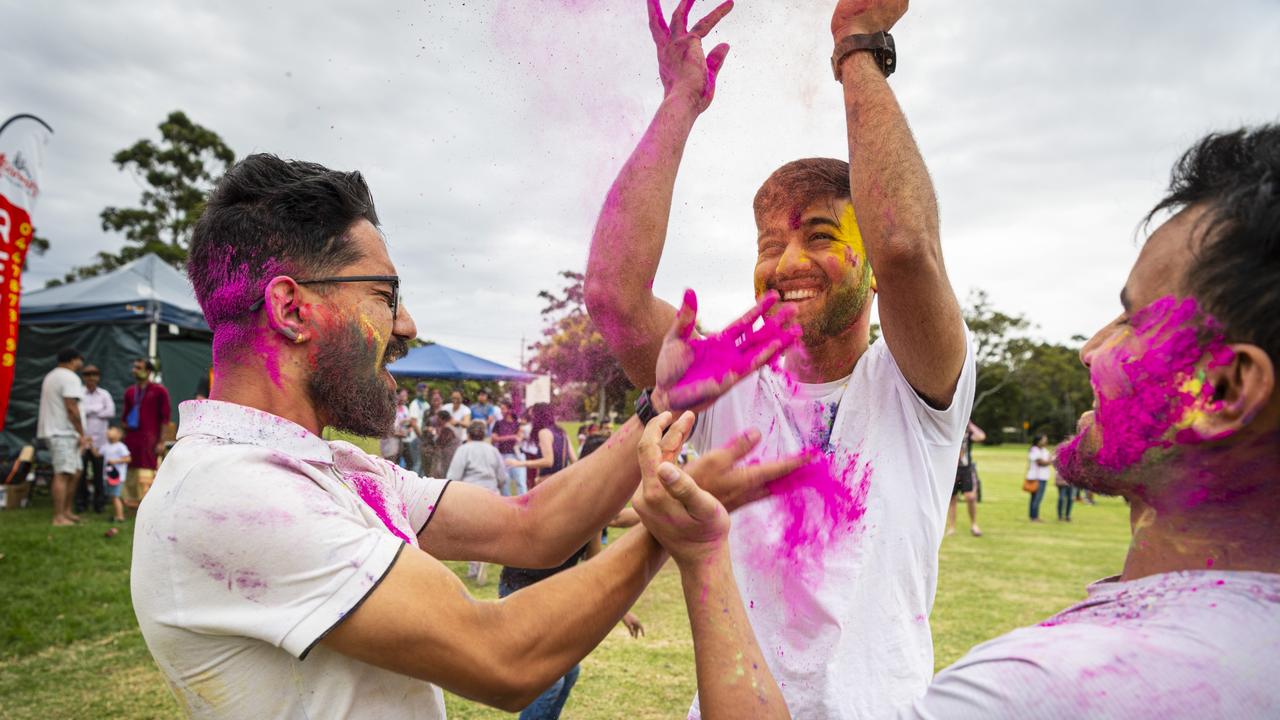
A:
(115, 460)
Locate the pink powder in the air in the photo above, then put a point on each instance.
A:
(821, 504)
(371, 492)
(1144, 392)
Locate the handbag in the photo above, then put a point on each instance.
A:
(1030, 485)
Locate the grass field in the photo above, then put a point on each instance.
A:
(70, 647)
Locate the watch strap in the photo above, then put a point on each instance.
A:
(880, 44)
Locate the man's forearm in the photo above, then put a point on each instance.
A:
(733, 680)
(628, 241)
(892, 192)
(562, 512)
(612, 581)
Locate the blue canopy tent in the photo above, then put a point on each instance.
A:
(145, 308)
(436, 361)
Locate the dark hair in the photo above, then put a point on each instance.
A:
(66, 355)
(591, 444)
(444, 415)
(1236, 276)
(146, 362)
(267, 217)
(801, 182)
(542, 415)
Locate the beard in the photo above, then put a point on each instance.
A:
(346, 385)
(841, 310)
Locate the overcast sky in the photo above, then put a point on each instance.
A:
(490, 130)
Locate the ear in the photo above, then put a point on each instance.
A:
(284, 308)
(1235, 393)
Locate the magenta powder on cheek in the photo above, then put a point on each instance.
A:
(1142, 397)
(371, 492)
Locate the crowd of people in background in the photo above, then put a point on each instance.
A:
(96, 454)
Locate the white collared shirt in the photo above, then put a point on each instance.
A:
(98, 410)
(255, 540)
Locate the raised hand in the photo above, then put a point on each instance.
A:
(687, 520)
(853, 17)
(685, 70)
(693, 371)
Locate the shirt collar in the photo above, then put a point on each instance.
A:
(250, 426)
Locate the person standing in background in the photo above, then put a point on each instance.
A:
(966, 481)
(459, 416)
(1038, 461)
(554, 451)
(145, 414)
(478, 463)
(418, 408)
(59, 425)
(481, 409)
(98, 410)
(446, 444)
(1066, 495)
(507, 436)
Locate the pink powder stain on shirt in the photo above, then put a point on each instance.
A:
(1143, 396)
(821, 504)
(371, 492)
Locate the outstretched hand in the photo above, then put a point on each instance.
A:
(684, 68)
(690, 517)
(693, 371)
(855, 17)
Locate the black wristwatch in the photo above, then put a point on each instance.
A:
(879, 44)
(645, 410)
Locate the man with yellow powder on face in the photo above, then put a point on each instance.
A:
(837, 564)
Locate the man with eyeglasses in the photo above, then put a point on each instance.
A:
(279, 575)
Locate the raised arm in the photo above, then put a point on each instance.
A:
(632, 228)
(898, 215)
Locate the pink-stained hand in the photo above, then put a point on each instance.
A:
(633, 625)
(685, 70)
(689, 516)
(855, 17)
(693, 371)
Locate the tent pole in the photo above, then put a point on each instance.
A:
(151, 344)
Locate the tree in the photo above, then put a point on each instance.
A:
(573, 352)
(177, 175)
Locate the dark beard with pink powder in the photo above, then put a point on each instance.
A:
(1143, 396)
(346, 385)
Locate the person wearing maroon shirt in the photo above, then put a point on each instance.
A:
(146, 412)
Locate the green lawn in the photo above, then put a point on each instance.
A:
(69, 646)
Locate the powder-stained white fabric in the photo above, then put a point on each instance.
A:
(855, 643)
(256, 539)
(1181, 645)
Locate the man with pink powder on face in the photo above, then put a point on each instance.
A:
(1186, 428)
(279, 575)
(844, 556)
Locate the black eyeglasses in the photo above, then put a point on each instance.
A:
(394, 280)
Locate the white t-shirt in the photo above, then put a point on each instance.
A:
(112, 454)
(1036, 471)
(59, 384)
(1190, 645)
(461, 417)
(844, 623)
(255, 540)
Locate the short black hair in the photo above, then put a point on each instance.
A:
(151, 367)
(1236, 276)
(66, 355)
(265, 217)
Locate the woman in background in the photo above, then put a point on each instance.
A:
(1038, 461)
(554, 451)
